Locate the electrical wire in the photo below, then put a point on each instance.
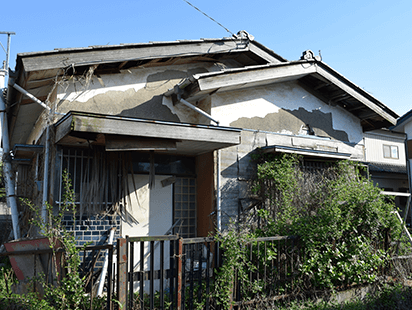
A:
(210, 18)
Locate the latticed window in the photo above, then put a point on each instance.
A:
(185, 207)
(100, 182)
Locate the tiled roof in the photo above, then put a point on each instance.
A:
(384, 167)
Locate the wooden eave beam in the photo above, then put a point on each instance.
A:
(63, 59)
(263, 54)
(144, 128)
(355, 94)
(322, 85)
(262, 75)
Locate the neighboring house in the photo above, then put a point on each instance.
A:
(386, 159)
(404, 125)
(157, 137)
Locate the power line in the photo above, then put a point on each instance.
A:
(210, 17)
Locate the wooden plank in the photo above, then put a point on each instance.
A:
(153, 238)
(265, 75)
(263, 54)
(64, 128)
(127, 143)
(63, 59)
(146, 128)
(122, 271)
(321, 70)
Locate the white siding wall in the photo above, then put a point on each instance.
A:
(374, 142)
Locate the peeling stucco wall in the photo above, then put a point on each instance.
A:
(284, 108)
(132, 93)
(237, 167)
(274, 115)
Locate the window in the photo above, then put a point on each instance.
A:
(390, 151)
(185, 207)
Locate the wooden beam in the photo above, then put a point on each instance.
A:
(86, 56)
(111, 125)
(356, 94)
(261, 53)
(262, 75)
(127, 143)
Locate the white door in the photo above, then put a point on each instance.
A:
(150, 214)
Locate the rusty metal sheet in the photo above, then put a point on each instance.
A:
(30, 265)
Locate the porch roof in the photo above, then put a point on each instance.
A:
(126, 133)
(305, 152)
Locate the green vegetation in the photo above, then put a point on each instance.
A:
(387, 297)
(342, 224)
(66, 292)
(346, 232)
(342, 221)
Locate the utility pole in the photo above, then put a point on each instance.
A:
(9, 34)
(7, 168)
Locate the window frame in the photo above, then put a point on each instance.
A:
(391, 150)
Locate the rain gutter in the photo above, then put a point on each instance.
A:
(7, 168)
(178, 91)
(47, 151)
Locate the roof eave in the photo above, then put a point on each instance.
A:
(205, 84)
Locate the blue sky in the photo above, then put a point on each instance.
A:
(369, 42)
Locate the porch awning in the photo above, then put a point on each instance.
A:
(23, 153)
(305, 152)
(125, 133)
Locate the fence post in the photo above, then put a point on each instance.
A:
(179, 274)
(122, 271)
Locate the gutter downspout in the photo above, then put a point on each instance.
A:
(191, 106)
(10, 188)
(46, 175)
(46, 154)
(178, 90)
(408, 171)
(218, 193)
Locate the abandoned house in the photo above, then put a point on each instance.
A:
(157, 137)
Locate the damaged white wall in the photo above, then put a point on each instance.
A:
(132, 92)
(274, 115)
(261, 106)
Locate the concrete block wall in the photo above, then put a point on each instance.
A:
(237, 169)
(92, 230)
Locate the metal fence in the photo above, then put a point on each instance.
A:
(272, 265)
(167, 272)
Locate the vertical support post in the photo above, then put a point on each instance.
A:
(142, 274)
(109, 279)
(162, 267)
(131, 272)
(208, 265)
(122, 271)
(152, 267)
(218, 193)
(179, 274)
